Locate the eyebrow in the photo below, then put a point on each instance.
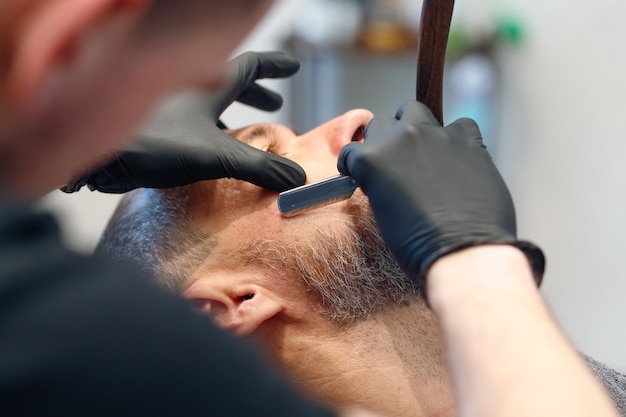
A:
(264, 130)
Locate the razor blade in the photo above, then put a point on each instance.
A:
(318, 194)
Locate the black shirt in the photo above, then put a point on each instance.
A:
(81, 336)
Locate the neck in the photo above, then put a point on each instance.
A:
(391, 363)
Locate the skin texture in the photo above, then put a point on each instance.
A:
(243, 289)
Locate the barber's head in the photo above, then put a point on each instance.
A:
(77, 76)
(225, 246)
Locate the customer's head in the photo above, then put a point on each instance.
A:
(320, 291)
(225, 245)
(77, 76)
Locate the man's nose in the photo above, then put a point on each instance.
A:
(344, 129)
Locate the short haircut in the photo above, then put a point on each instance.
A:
(156, 236)
(347, 271)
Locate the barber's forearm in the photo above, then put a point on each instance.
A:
(507, 356)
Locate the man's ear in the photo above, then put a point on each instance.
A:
(240, 309)
(50, 39)
(253, 305)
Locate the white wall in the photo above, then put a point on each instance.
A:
(563, 152)
(562, 149)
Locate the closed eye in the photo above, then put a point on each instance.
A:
(247, 297)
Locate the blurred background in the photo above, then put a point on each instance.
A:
(545, 81)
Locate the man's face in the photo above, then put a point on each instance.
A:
(235, 213)
(95, 102)
(225, 246)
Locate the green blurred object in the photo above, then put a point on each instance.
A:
(506, 30)
(509, 29)
(457, 42)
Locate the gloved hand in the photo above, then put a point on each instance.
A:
(183, 144)
(433, 190)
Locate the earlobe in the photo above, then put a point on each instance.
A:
(48, 40)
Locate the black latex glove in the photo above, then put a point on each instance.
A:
(433, 190)
(183, 144)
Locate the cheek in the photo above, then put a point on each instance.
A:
(317, 173)
(318, 165)
(225, 202)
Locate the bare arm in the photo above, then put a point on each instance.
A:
(506, 353)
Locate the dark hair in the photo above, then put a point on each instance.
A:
(150, 228)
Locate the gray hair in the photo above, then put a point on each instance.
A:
(351, 272)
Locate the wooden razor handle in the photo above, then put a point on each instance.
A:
(432, 43)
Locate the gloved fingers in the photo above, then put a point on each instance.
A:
(466, 129)
(379, 129)
(280, 174)
(247, 163)
(414, 112)
(362, 163)
(249, 67)
(274, 64)
(261, 98)
(348, 155)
